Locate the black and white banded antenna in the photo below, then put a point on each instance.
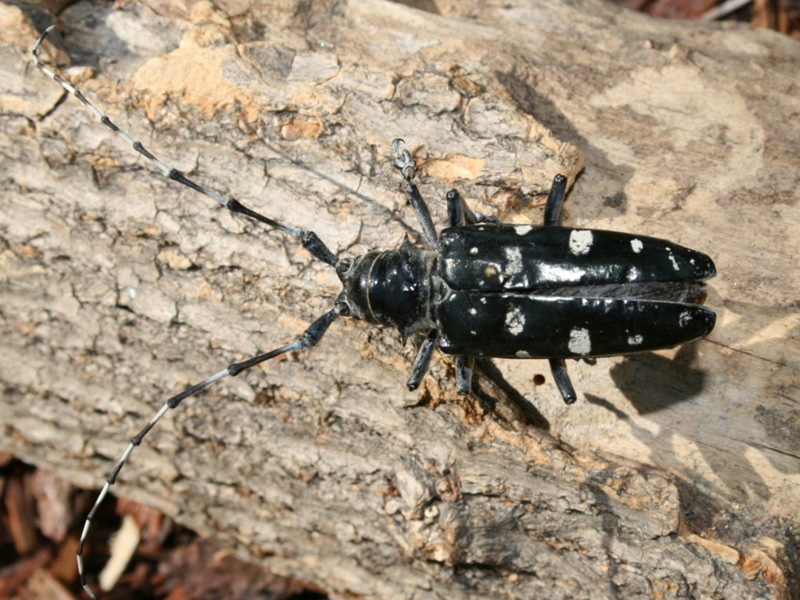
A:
(308, 339)
(309, 239)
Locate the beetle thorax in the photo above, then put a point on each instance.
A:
(390, 288)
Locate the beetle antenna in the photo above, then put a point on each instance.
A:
(309, 239)
(308, 339)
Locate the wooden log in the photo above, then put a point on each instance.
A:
(121, 288)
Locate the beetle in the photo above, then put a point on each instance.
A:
(481, 288)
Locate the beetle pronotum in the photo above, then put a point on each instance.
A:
(483, 289)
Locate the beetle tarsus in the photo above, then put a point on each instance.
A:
(403, 160)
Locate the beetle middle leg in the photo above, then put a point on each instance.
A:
(555, 201)
(423, 360)
(459, 213)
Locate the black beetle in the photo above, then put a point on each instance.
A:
(490, 289)
(484, 288)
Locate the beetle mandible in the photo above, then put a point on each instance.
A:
(482, 288)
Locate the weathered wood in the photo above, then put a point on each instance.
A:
(120, 288)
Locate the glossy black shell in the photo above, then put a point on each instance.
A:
(557, 292)
(536, 292)
(499, 258)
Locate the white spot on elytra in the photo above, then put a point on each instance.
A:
(484, 300)
(635, 340)
(522, 229)
(473, 311)
(580, 241)
(633, 274)
(636, 246)
(555, 273)
(674, 262)
(579, 341)
(514, 260)
(473, 250)
(515, 321)
(523, 354)
(684, 318)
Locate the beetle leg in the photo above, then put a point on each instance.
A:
(408, 166)
(555, 200)
(459, 213)
(456, 209)
(423, 360)
(561, 377)
(463, 375)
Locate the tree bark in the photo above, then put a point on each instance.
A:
(120, 288)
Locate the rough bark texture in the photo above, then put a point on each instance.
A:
(120, 288)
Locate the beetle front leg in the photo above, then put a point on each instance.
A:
(555, 201)
(408, 167)
(559, 368)
(463, 375)
(458, 213)
(423, 360)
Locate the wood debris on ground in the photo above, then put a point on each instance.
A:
(41, 517)
(781, 15)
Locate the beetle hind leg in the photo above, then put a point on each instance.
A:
(463, 375)
(561, 377)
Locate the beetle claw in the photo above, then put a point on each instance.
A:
(403, 160)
